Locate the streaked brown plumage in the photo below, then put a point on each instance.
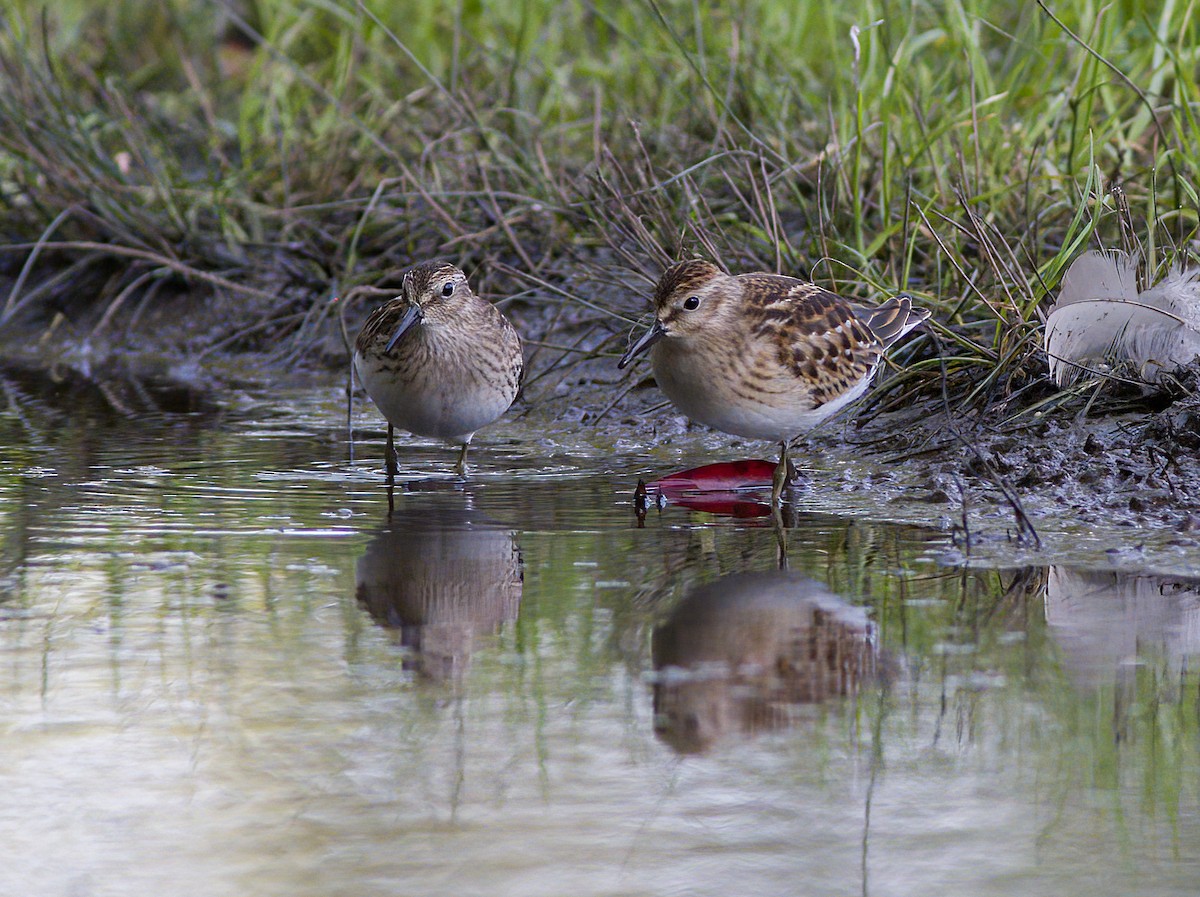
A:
(437, 360)
(762, 355)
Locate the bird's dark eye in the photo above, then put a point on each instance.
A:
(691, 302)
(448, 289)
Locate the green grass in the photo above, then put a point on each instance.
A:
(964, 151)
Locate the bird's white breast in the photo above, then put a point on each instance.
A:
(447, 402)
(707, 389)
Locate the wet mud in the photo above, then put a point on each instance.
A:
(1127, 478)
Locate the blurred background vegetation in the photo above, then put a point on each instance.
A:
(259, 158)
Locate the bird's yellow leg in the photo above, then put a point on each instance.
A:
(461, 466)
(781, 476)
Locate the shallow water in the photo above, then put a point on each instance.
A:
(227, 672)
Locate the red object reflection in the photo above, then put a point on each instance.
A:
(727, 488)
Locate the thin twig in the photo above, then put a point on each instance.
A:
(156, 257)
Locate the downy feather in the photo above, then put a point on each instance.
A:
(1101, 319)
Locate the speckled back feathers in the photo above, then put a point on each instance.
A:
(764, 355)
(820, 336)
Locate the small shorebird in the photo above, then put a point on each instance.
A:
(437, 360)
(762, 355)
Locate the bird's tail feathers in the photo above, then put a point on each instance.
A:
(894, 318)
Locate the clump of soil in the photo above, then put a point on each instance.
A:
(1127, 470)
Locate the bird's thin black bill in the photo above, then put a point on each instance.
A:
(411, 316)
(648, 339)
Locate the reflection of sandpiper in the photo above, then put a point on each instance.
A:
(442, 580)
(744, 652)
(1107, 621)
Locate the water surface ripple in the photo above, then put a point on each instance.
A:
(226, 671)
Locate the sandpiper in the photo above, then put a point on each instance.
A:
(762, 355)
(437, 360)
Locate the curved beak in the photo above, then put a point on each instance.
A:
(656, 332)
(412, 315)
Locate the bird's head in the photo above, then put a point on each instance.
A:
(692, 300)
(433, 292)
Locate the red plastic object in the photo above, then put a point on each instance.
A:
(724, 476)
(719, 488)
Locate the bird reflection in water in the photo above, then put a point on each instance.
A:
(747, 652)
(442, 578)
(1108, 622)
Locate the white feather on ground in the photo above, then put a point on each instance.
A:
(1100, 320)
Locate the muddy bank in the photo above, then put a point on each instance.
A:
(1119, 482)
(1134, 477)
(1121, 491)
